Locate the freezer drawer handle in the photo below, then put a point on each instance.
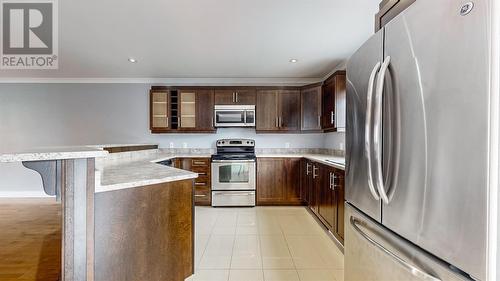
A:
(415, 271)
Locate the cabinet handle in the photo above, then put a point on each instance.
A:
(277, 125)
(202, 174)
(314, 171)
(198, 163)
(200, 195)
(319, 120)
(307, 169)
(200, 183)
(331, 117)
(280, 121)
(236, 97)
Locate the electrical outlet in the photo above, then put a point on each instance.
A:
(171, 145)
(287, 145)
(184, 145)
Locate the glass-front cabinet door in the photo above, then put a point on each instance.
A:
(159, 110)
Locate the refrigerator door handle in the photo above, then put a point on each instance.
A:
(368, 121)
(377, 130)
(415, 271)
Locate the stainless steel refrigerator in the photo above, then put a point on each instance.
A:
(417, 146)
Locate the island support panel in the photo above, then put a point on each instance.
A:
(73, 182)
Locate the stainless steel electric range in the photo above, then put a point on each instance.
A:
(234, 173)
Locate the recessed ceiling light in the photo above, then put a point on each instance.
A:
(293, 60)
(132, 60)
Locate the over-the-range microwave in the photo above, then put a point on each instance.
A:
(234, 116)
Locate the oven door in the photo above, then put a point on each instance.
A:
(233, 175)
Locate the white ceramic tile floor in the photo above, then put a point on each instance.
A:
(263, 244)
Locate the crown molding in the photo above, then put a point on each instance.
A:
(167, 81)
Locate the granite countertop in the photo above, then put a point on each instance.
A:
(52, 153)
(330, 160)
(117, 173)
(120, 145)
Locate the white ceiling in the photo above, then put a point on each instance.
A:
(244, 40)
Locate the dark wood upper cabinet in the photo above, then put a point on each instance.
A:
(183, 110)
(205, 110)
(334, 102)
(311, 108)
(340, 103)
(266, 109)
(388, 9)
(278, 110)
(235, 96)
(289, 110)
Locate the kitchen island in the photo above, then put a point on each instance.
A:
(122, 223)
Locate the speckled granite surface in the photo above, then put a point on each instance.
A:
(52, 153)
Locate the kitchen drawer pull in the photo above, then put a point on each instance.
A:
(202, 174)
(199, 163)
(200, 195)
(415, 271)
(200, 183)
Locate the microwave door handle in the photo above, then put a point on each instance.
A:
(368, 117)
(377, 130)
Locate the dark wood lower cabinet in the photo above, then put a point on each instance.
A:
(145, 233)
(322, 189)
(278, 181)
(327, 202)
(202, 184)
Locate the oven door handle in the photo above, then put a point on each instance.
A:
(233, 161)
(234, 194)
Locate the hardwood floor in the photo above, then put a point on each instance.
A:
(30, 239)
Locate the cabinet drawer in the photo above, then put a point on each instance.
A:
(197, 162)
(202, 184)
(202, 194)
(202, 171)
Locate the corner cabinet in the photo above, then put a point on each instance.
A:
(278, 181)
(278, 111)
(334, 103)
(181, 110)
(310, 107)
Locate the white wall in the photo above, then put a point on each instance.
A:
(77, 114)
